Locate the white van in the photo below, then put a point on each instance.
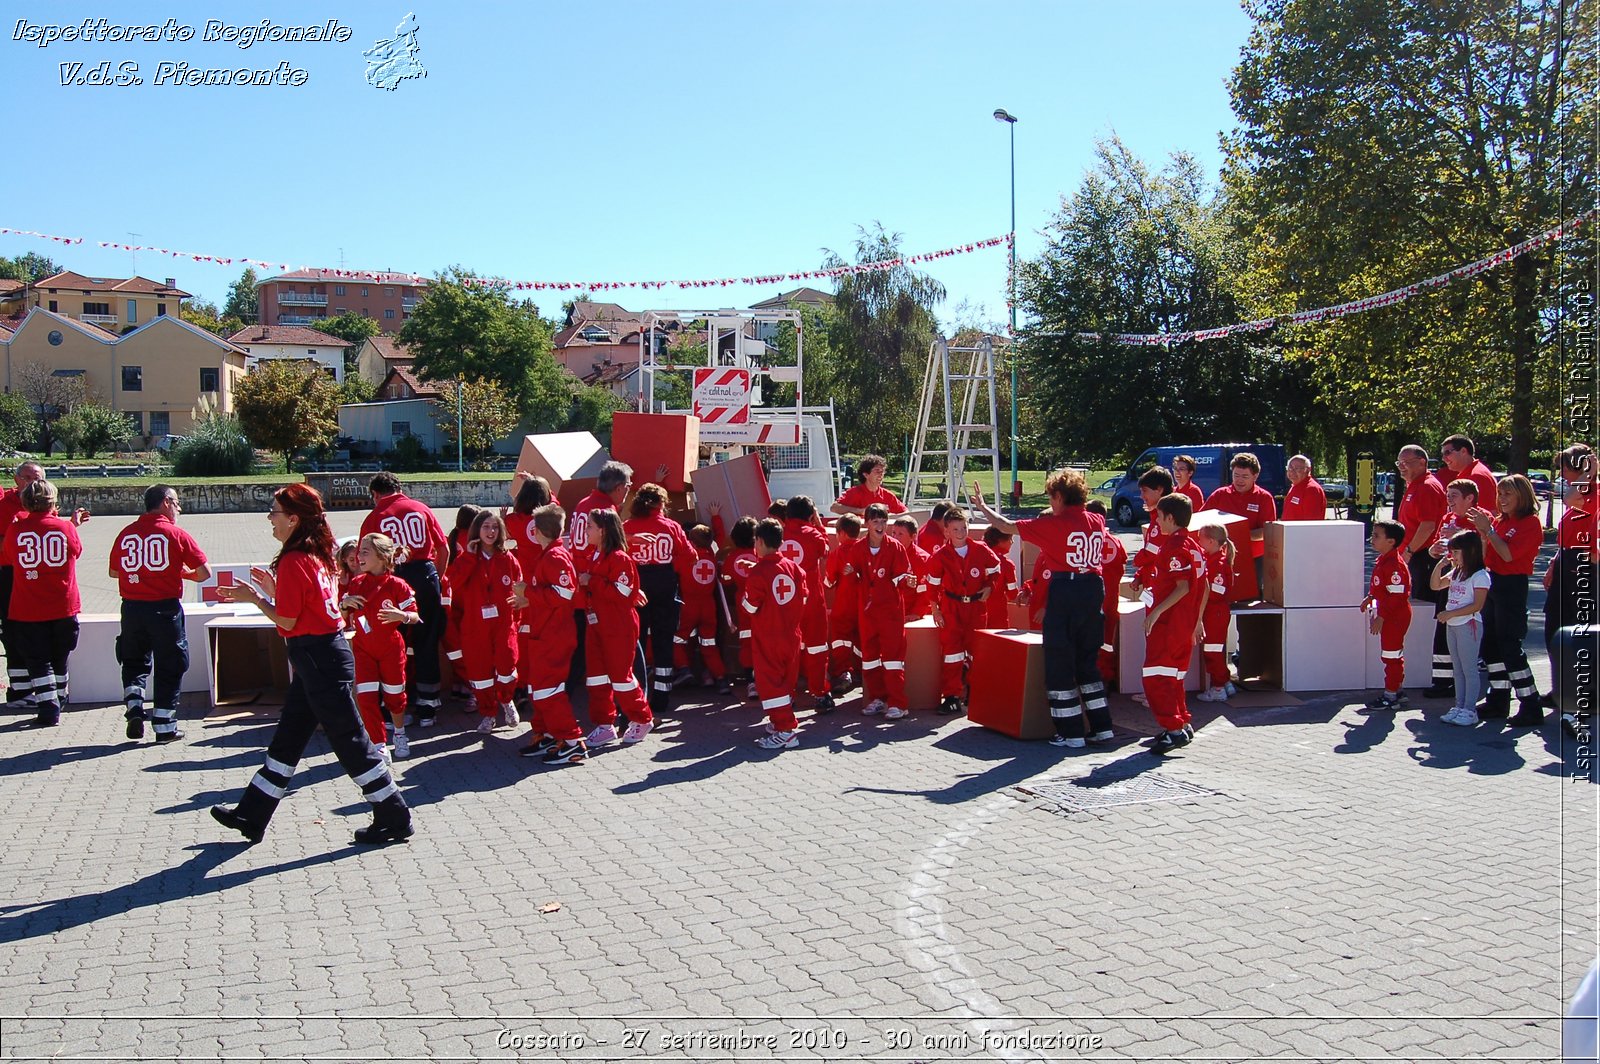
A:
(810, 467)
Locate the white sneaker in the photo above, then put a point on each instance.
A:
(783, 740)
(1071, 743)
(1449, 716)
(873, 708)
(637, 730)
(509, 715)
(750, 691)
(486, 724)
(388, 759)
(894, 713)
(1211, 694)
(402, 745)
(1230, 689)
(1467, 718)
(604, 735)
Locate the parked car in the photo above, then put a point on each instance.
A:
(1107, 489)
(1541, 484)
(1211, 472)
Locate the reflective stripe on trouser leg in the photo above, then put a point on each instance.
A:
(133, 699)
(1498, 680)
(272, 780)
(1521, 678)
(1066, 710)
(1094, 704)
(44, 689)
(376, 784)
(20, 684)
(165, 720)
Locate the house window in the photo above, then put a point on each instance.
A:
(388, 291)
(133, 378)
(311, 351)
(53, 308)
(54, 337)
(161, 310)
(67, 373)
(338, 289)
(138, 421)
(97, 308)
(160, 423)
(363, 293)
(341, 310)
(208, 380)
(388, 313)
(366, 312)
(133, 312)
(399, 429)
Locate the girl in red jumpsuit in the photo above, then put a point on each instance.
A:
(1215, 613)
(613, 634)
(881, 566)
(844, 621)
(375, 604)
(697, 621)
(736, 565)
(481, 580)
(550, 641)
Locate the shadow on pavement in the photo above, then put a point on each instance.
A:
(1486, 750)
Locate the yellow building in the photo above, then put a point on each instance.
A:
(156, 374)
(114, 303)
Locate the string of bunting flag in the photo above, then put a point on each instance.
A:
(1384, 299)
(562, 286)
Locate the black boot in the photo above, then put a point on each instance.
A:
(1496, 706)
(1529, 715)
(391, 822)
(228, 817)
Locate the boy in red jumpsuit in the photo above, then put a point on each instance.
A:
(903, 530)
(699, 586)
(882, 567)
(1169, 625)
(550, 641)
(844, 622)
(1006, 587)
(612, 639)
(806, 544)
(1216, 582)
(736, 565)
(775, 604)
(961, 577)
(1389, 597)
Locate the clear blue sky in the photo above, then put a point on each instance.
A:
(605, 140)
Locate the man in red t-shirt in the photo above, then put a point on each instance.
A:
(413, 527)
(1458, 460)
(16, 667)
(858, 497)
(1305, 500)
(1421, 509)
(42, 549)
(150, 560)
(1247, 499)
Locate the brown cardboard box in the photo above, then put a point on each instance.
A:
(649, 441)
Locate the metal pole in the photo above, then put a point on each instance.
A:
(1013, 126)
(461, 464)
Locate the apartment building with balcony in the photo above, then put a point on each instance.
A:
(116, 304)
(304, 297)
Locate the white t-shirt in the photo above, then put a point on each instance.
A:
(1462, 592)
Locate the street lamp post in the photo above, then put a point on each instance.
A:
(1002, 115)
(461, 463)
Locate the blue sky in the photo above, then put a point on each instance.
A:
(607, 140)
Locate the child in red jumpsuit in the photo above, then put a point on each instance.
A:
(613, 634)
(481, 580)
(806, 544)
(701, 590)
(1215, 613)
(1006, 586)
(961, 577)
(375, 604)
(844, 655)
(882, 568)
(736, 565)
(775, 606)
(1169, 624)
(1389, 597)
(547, 646)
(903, 530)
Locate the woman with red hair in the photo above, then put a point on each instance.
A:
(297, 593)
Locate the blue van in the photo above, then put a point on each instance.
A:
(1211, 472)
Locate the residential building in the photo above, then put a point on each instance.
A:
(379, 355)
(303, 297)
(13, 298)
(376, 427)
(794, 299)
(401, 383)
(157, 373)
(113, 303)
(263, 342)
(601, 333)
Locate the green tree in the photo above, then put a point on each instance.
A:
(881, 329)
(1384, 141)
(50, 396)
(91, 426)
(30, 267)
(286, 406)
(241, 302)
(19, 428)
(353, 329)
(1136, 251)
(205, 315)
(465, 329)
(487, 412)
(592, 407)
(356, 389)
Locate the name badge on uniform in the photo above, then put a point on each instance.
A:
(491, 612)
(366, 625)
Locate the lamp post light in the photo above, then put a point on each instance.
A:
(1002, 115)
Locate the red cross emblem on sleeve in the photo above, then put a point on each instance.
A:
(783, 589)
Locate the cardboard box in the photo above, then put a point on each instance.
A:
(249, 661)
(1306, 649)
(570, 461)
(1315, 563)
(96, 676)
(1130, 651)
(1245, 587)
(1418, 649)
(1007, 684)
(739, 486)
(648, 441)
(924, 659)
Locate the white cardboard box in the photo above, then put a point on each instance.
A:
(1130, 651)
(1324, 649)
(1315, 563)
(1418, 649)
(96, 677)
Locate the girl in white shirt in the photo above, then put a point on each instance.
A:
(1462, 575)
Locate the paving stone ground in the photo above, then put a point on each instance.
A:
(1353, 886)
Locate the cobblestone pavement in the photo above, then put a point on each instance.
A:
(1332, 885)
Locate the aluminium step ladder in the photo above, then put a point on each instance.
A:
(971, 370)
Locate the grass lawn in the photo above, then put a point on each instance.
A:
(1033, 497)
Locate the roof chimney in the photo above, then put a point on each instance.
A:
(172, 282)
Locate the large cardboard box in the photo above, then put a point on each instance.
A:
(570, 461)
(648, 441)
(924, 659)
(1130, 651)
(249, 662)
(1245, 588)
(1315, 563)
(1305, 649)
(738, 487)
(96, 676)
(1007, 689)
(1418, 648)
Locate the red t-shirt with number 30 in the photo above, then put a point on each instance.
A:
(43, 552)
(307, 592)
(150, 556)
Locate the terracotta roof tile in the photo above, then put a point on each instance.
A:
(138, 286)
(297, 335)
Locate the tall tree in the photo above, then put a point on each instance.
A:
(1383, 141)
(241, 302)
(286, 405)
(199, 312)
(51, 396)
(487, 411)
(353, 329)
(881, 329)
(30, 267)
(465, 329)
(1136, 251)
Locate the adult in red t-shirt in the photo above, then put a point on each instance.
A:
(1305, 500)
(1247, 499)
(1184, 468)
(868, 490)
(1458, 459)
(17, 668)
(663, 554)
(1511, 544)
(42, 548)
(1072, 545)
(298, 595)
(150, 560)
(417, 532)
(1421, 508)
